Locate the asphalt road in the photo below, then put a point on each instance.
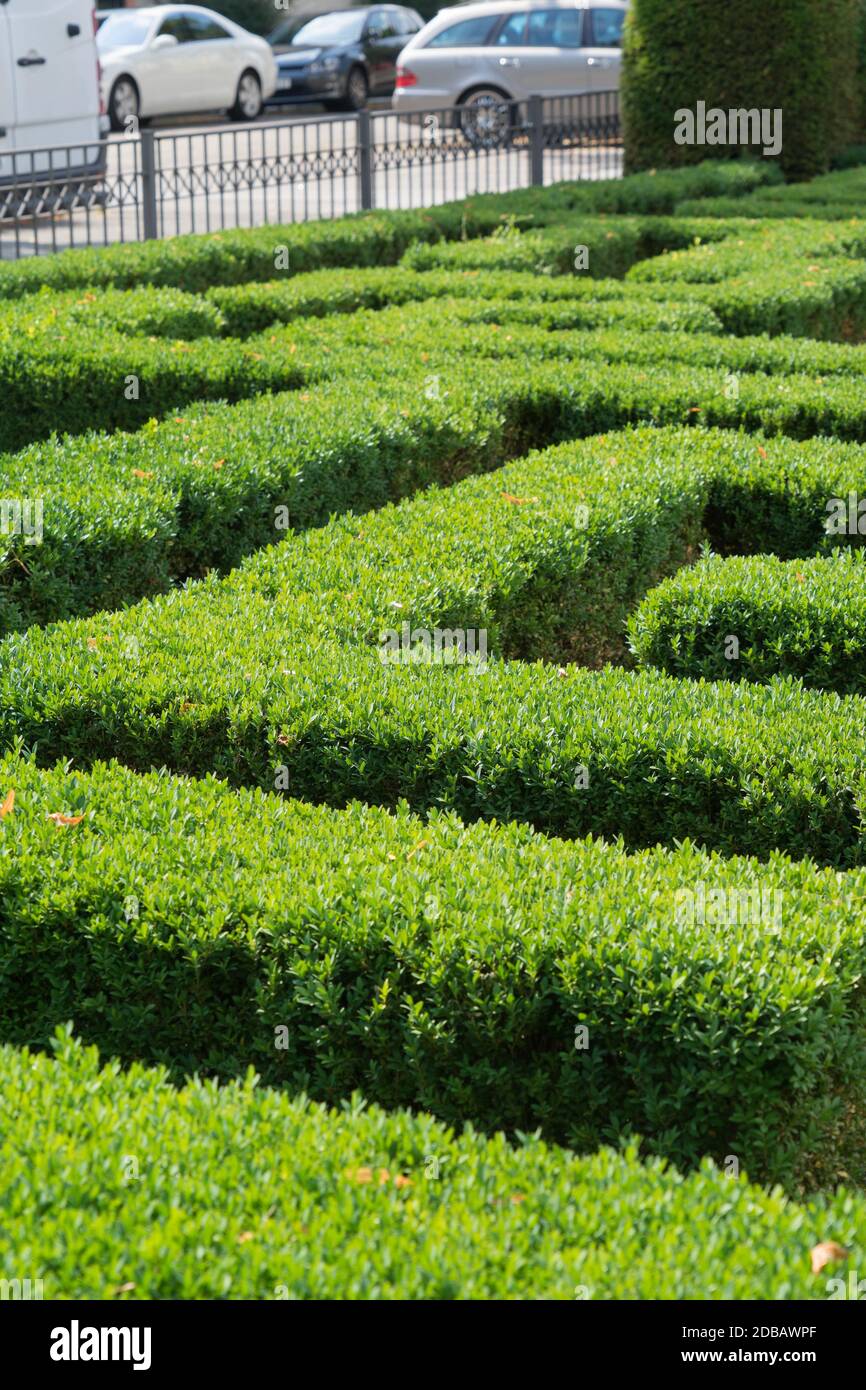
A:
(295, 164)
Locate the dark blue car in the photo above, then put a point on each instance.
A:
(342, 57)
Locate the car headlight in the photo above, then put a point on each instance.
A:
(325, 65)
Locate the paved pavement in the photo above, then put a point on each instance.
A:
(287, 169)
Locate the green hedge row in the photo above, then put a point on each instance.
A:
(240, 311)
(247, 309)
(803, 618)
(144, 311)
(784, 298)
(432, 964)
(765, 209)
(803, 278)
(292, 1201)
(633, 339)
(712, 260)
(197, 262)
(61, 373)
(598, 246)
(415, 334)
(563, 307)
(837, 195)
(648, 332)
(281, 662)
(69, 383)
(111, 382)
(124, 515)
(810, 286)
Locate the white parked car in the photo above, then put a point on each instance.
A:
(168, 60)
(480, 56)
(49, 88)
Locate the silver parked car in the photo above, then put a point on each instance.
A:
(482, 56)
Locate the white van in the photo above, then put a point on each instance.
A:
(49, 88)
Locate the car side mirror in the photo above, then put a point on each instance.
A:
(374, 32)
(164, 41)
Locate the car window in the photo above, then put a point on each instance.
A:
(404, 22)
(512, 32)
(606, 28)
(330, 29)
(554, 29)
(381, 24)
(177, 27)
(469, 33)
(202, 28)
(122, 29)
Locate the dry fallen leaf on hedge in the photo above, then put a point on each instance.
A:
(825, 1254)
(60, 818)
(8, 805)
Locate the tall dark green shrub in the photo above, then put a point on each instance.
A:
(861, 69)
(797, 55)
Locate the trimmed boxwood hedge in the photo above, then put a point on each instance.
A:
(293, 1201)
(125, 515)
(431, 961)
(433, 964)
(277, 664)
(803, 618)
(63, 370)
(613, 247)
(836, 195)
(49, 388)
(804, 278)
(107, 381)
(195, 262)
(61, 375)
(112, 359)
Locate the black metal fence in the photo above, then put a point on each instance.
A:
(157, 184)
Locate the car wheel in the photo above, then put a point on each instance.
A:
(485, 117)
(357, 90)
(123, 104)
(248, 100)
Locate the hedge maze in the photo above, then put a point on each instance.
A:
(431, 677)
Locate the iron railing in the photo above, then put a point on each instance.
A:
(157, 184)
